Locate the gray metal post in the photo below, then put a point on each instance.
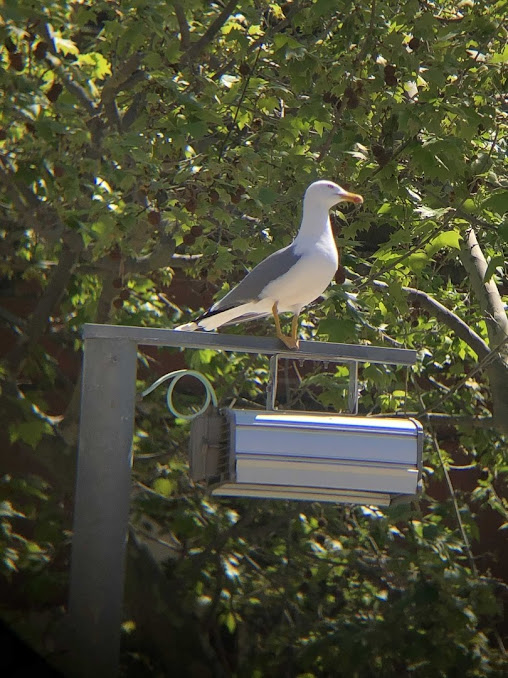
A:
(353, 388)
(271, 387)
(101, 510)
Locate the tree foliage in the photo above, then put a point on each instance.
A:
(150, 153)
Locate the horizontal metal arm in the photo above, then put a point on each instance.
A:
(309, 350)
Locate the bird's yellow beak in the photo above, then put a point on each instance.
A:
(352, 197)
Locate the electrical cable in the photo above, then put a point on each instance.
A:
(210, 395)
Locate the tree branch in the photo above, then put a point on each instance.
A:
(130, 115)
(451, 320)
(12, 319)
(493, 361)
(55, 289)
(207, 37)
(68, 429)
(183, 25)
(106, 297)
(491, 303)
(20, 195)
(56, 64)
(184, 260)
(117, 81)
(118, 78)
(486, 292)
(142, 266)
(39, 320)
(264, 38)
(32, 213)
(113, 114)
(159, 257)
(162, 256)
(461, 329)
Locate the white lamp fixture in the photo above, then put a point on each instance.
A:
(307, 456)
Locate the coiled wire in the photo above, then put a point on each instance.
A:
(210, 395)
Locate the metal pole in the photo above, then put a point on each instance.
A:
(271, 387)
(309, 350)
(101, 510)
(353, 388)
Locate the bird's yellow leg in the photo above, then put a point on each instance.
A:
(278, 330)
(290, 342)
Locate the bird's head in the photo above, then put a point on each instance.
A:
(329, 193)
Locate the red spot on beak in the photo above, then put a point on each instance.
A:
(353, 197)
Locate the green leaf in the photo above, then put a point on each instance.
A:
(230, 622)
(500, 57)
(241, 244)
(29, 432)
(503, 231)
(497, 201)
(323, 7)
(65, 46)
(95, 63)
(339, 330)
(199, 359)
(495, 262)
(447, 239)
(417, 261)
(165, 486)
(385, 208)
(267, 195)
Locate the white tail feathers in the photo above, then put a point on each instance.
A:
(214, 321)
(188, 327)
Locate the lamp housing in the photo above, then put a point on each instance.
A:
(307, 456)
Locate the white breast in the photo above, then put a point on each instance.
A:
(306, 280)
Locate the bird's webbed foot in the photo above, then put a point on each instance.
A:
(290, 342)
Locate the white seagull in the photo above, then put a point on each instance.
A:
(290, 278)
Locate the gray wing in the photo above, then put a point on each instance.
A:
(250, 288)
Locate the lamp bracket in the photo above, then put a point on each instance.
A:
(273, 378)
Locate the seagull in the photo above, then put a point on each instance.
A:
(291, 278)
